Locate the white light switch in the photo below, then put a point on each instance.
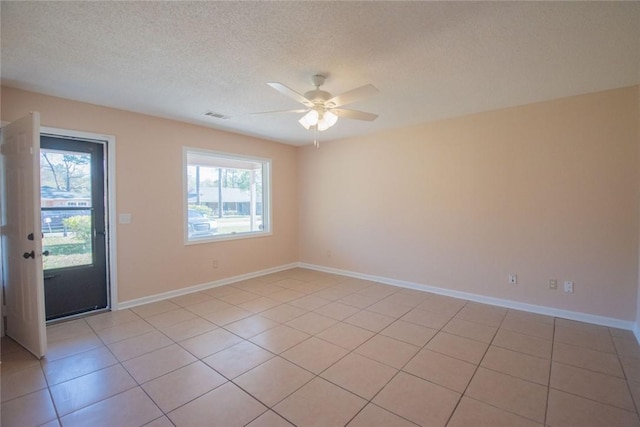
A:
(124, 218)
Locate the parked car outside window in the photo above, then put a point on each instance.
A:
(199, 225)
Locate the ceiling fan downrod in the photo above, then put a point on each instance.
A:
(318, 80)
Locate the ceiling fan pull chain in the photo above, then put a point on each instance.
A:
(316, 143)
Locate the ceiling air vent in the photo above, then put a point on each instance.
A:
(216, 115)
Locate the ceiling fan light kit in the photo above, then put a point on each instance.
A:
(327, 120)
(316, 117)
(309, 119)
(322, 110)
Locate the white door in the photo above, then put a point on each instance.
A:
(22, 235)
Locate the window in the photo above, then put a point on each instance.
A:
(226, 196)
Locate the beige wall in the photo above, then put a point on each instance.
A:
(548, 190)
(151, 255)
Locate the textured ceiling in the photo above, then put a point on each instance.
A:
(429, 60)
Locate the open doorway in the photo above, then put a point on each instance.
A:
(74, 226)
(22, 256)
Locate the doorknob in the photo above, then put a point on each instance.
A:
(28, 255)
(45, 253)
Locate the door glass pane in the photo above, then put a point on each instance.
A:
(65, 193)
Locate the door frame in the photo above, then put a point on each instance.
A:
(109, 142)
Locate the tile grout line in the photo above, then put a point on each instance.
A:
(405, 364)
(333, 285)
(334, 363)
(229, 380)
(624, 372)
(315, 376)
(475, 371)
(370, 401)
(138, 385)
(553, 343)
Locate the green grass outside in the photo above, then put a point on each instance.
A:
(67, 260)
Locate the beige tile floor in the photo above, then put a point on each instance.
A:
(307, 348)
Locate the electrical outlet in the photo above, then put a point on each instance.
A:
(214, 263)
(553, 284)
(568, 286)
(513, 279)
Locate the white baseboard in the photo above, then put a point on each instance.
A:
(183, 291)
(549, 311)
(539, 309)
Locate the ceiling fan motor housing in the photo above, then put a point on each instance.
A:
(318, 96)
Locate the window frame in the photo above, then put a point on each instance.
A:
(266, 196)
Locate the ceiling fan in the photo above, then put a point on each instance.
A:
(323, 109)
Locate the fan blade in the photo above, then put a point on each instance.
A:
(300, 110)
(352, 95)
(291, 93)
(354, 114)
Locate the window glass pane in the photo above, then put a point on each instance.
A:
(226, 196)
(65, 197)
